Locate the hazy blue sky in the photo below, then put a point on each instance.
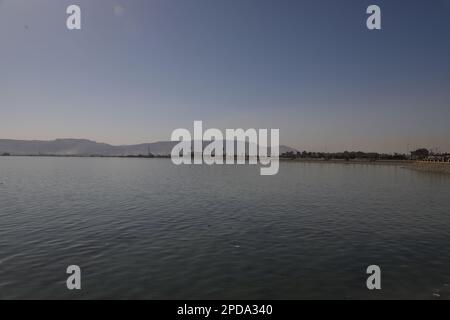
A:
(140, 69)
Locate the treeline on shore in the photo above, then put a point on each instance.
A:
(419, 154)
(346, 155)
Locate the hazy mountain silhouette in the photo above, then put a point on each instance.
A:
(82, 147)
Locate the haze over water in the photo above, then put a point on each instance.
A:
(144, 228)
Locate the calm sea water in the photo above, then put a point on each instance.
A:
(144, 228)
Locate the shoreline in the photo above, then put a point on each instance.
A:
(281, 159)
(436, 167)
(424, 166)
(337, 161)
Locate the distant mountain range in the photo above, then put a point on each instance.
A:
(83, 147)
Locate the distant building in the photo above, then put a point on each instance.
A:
(438, 158)
(420, 154)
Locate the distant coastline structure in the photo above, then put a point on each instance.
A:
(438, 158)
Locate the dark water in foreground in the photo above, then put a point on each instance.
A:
(144, 228)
